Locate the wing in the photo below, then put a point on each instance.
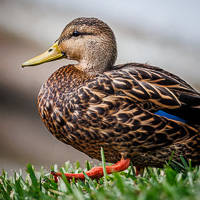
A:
(165, 90)
(117, 108)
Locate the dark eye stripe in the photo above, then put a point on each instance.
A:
(66, 37)
(87, 33)
(76, 33)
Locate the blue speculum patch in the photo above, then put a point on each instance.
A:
(169, 116)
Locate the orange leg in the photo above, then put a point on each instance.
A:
(96, 172)
(139, 170)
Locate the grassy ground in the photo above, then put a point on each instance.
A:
(181, 182)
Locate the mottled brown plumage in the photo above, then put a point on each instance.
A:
(94, 104)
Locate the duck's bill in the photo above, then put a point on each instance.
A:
(53, 53)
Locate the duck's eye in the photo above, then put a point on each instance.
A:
(76, 33)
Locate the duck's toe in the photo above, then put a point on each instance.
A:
(96, 172)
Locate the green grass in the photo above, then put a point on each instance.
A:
(180, 182)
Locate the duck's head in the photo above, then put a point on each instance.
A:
(89, 41)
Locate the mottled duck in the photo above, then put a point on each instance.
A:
(135, 112)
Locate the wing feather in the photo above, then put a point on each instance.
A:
(165, 90)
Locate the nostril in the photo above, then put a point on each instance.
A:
(63, 53)
(50, 50)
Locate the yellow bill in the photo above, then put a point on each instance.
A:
(53, 53)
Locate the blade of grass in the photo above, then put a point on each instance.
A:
(103, 163)
(184, 162)
(66, 182)
(104, 166)
(32, 175)
(88, 165)
(132, 169)
(5, 194)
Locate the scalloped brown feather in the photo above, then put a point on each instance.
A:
(115, 110)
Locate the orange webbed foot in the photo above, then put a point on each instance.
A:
(96, 172)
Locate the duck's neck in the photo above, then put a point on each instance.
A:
(93, 69)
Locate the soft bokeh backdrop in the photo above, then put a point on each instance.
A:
(162, 33)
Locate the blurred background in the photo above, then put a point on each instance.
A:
(161, 33)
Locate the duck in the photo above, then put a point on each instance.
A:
(138, 113)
